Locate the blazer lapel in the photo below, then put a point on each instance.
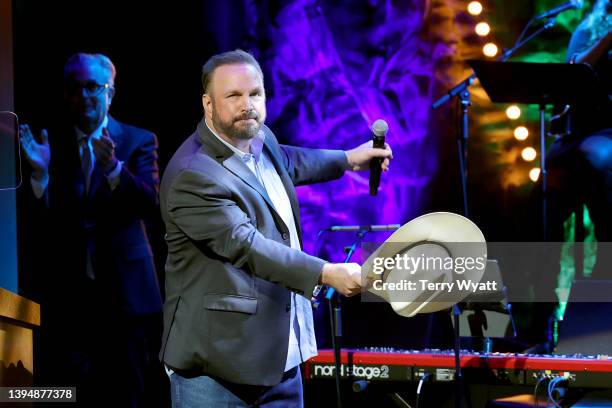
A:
(272, 150)
(233, 163)
(236, 166)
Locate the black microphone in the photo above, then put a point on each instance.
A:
(380, 129)
(369, 228)
(572, 4)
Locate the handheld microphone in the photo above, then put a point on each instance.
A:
(572, 4)
(380, 129)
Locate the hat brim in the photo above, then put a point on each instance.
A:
(441, 234)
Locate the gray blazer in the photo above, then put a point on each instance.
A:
(230, 266)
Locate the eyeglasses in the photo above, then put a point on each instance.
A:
(91, 88)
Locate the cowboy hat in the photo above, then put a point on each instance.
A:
(419, 267)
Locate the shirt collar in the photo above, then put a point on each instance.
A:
(96, 134)
(256, 145)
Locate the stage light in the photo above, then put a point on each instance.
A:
(474, 8)
(529, 154)
(490, 49)
(534, 174)
(521, 133)
(513, 112)
(483, 29)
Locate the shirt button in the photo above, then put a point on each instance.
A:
(285, 236)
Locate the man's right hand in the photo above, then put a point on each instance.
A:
(344, 277)
(38, 154)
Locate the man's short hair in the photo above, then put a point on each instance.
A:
(82, 58)
(235, 57)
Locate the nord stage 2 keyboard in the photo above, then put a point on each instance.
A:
(386, 364)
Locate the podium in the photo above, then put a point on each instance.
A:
(19, 317)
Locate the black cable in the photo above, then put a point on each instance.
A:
(551, 389)
(520, 37)
(418, 391)
(536, 403)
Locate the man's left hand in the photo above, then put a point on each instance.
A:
(104, 150)
(359, 157)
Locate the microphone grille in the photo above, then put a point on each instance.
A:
(380, 128)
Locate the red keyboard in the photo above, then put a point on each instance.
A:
(382, 364)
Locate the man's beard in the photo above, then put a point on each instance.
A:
(247, 130)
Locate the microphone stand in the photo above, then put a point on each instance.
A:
(335, 315)
(462, 92)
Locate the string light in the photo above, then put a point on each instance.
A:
(521, 133)
(483, 29)
(513, 112)
(534, 174)
(529, 154)
(475, 8)
(490, 49)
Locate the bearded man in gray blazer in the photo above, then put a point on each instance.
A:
(237, 316)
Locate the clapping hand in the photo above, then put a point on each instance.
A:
(104, 150)
(37, 153)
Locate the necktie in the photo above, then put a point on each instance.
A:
(86, 160)
(87, 167)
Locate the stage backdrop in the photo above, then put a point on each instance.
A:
(331, 69)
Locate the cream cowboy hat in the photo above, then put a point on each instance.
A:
(428, 253)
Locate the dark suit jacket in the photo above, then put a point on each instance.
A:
(230, 267)
(109, 222)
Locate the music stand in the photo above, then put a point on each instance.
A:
(542, 84)
(480, 307)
